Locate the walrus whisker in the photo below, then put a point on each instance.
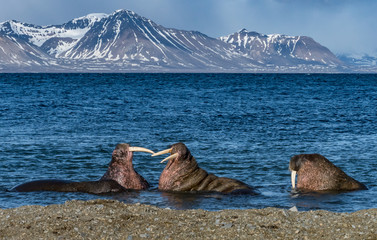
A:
(162, 152)
(170, 157)
(293, 179)
(140, 149)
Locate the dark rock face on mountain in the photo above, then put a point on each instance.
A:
(124, 41)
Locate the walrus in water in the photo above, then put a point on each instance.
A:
(182, 173)
(316, 173)
(119, 176)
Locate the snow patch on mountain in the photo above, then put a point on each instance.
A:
(92, 18)
(39, 35)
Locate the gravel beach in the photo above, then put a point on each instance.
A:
(111, 219)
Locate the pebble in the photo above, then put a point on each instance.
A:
(293, 209)
(227, 225)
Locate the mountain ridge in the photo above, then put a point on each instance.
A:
(296, 49)
(126, 41)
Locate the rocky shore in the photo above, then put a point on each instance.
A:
(110, 219)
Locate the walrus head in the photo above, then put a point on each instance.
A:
(178, 151)
(182, 171)
(317, 173)
(121, 169)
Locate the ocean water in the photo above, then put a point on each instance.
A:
(243, 126)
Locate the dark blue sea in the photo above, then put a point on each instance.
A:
(243, 126)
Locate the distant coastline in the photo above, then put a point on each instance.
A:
(127, 42)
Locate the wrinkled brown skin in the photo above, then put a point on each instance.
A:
(119, 177)
(316, 173)
(121, 169)
(183, 174)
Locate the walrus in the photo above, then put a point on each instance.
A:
(182, 173)
(317, 173)
(120, 175)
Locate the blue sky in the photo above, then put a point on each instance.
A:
(344, 26)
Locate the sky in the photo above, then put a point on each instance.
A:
(343, 26)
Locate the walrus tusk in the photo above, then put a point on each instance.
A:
(140, 149)
(170, 157)
(293, 179)
(165, 152)
(162, 152)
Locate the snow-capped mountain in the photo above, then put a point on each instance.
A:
(280, 49)
(127, 37)
(125, 41)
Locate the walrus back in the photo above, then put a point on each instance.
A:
(93, 187)
(224, 185)
(40, 185)
(212, 183)
(317, 173)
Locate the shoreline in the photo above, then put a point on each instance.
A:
(111, 219)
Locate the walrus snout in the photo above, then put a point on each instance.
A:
(177, 150)
(294, 166)
(166, 151)
(124, 151)
(295, 163)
